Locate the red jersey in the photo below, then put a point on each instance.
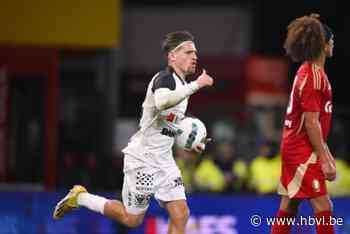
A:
(311, 92)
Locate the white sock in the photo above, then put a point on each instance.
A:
(92, 202)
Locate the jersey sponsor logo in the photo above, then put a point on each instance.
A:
(288, 123)
(171, 132)
(316, 185)
(328, 107)
(168, 132)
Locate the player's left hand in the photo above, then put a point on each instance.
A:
(329, 170)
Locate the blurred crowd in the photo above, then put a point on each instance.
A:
(225, 167)
(242, 157)
(222, 170)
(219, 170)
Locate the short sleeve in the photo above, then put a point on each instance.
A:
(164, 80)
(310, 92)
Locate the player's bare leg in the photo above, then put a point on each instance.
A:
(178, 216)
(115, 210)
(79, 196)
(288, 208)
(323, 209)
(322, 203)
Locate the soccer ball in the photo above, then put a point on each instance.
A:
(193, 132)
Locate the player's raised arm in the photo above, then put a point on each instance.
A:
(166, 98)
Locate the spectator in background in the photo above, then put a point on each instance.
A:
(265, 170)
(221, 171)
(208, 177)
(186, 162)
(223, 130)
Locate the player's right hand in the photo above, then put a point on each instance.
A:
(329, 170)
(204, 80)
(201, 146)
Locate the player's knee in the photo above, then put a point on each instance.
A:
(133, 221)
(327, 206)
(181, 216)
(322, 204)
(186, 214)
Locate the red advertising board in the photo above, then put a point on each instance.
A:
(267, 81)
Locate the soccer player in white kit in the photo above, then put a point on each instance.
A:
(149, 165)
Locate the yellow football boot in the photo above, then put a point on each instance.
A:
(69, 202)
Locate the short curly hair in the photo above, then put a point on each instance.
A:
(306, 38)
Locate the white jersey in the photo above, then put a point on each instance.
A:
(152, 144)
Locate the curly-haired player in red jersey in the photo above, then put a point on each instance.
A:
(306, 160)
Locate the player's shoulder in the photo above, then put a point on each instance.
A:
(164, 79)
(310, 73)
(304, 70)
(311, 69)
(165, 73)
(302, 74)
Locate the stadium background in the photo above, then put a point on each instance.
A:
(72, 79)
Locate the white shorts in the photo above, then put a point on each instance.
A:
(142, 182)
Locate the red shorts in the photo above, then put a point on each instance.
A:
(304, 180)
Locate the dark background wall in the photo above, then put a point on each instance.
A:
(270, 22)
